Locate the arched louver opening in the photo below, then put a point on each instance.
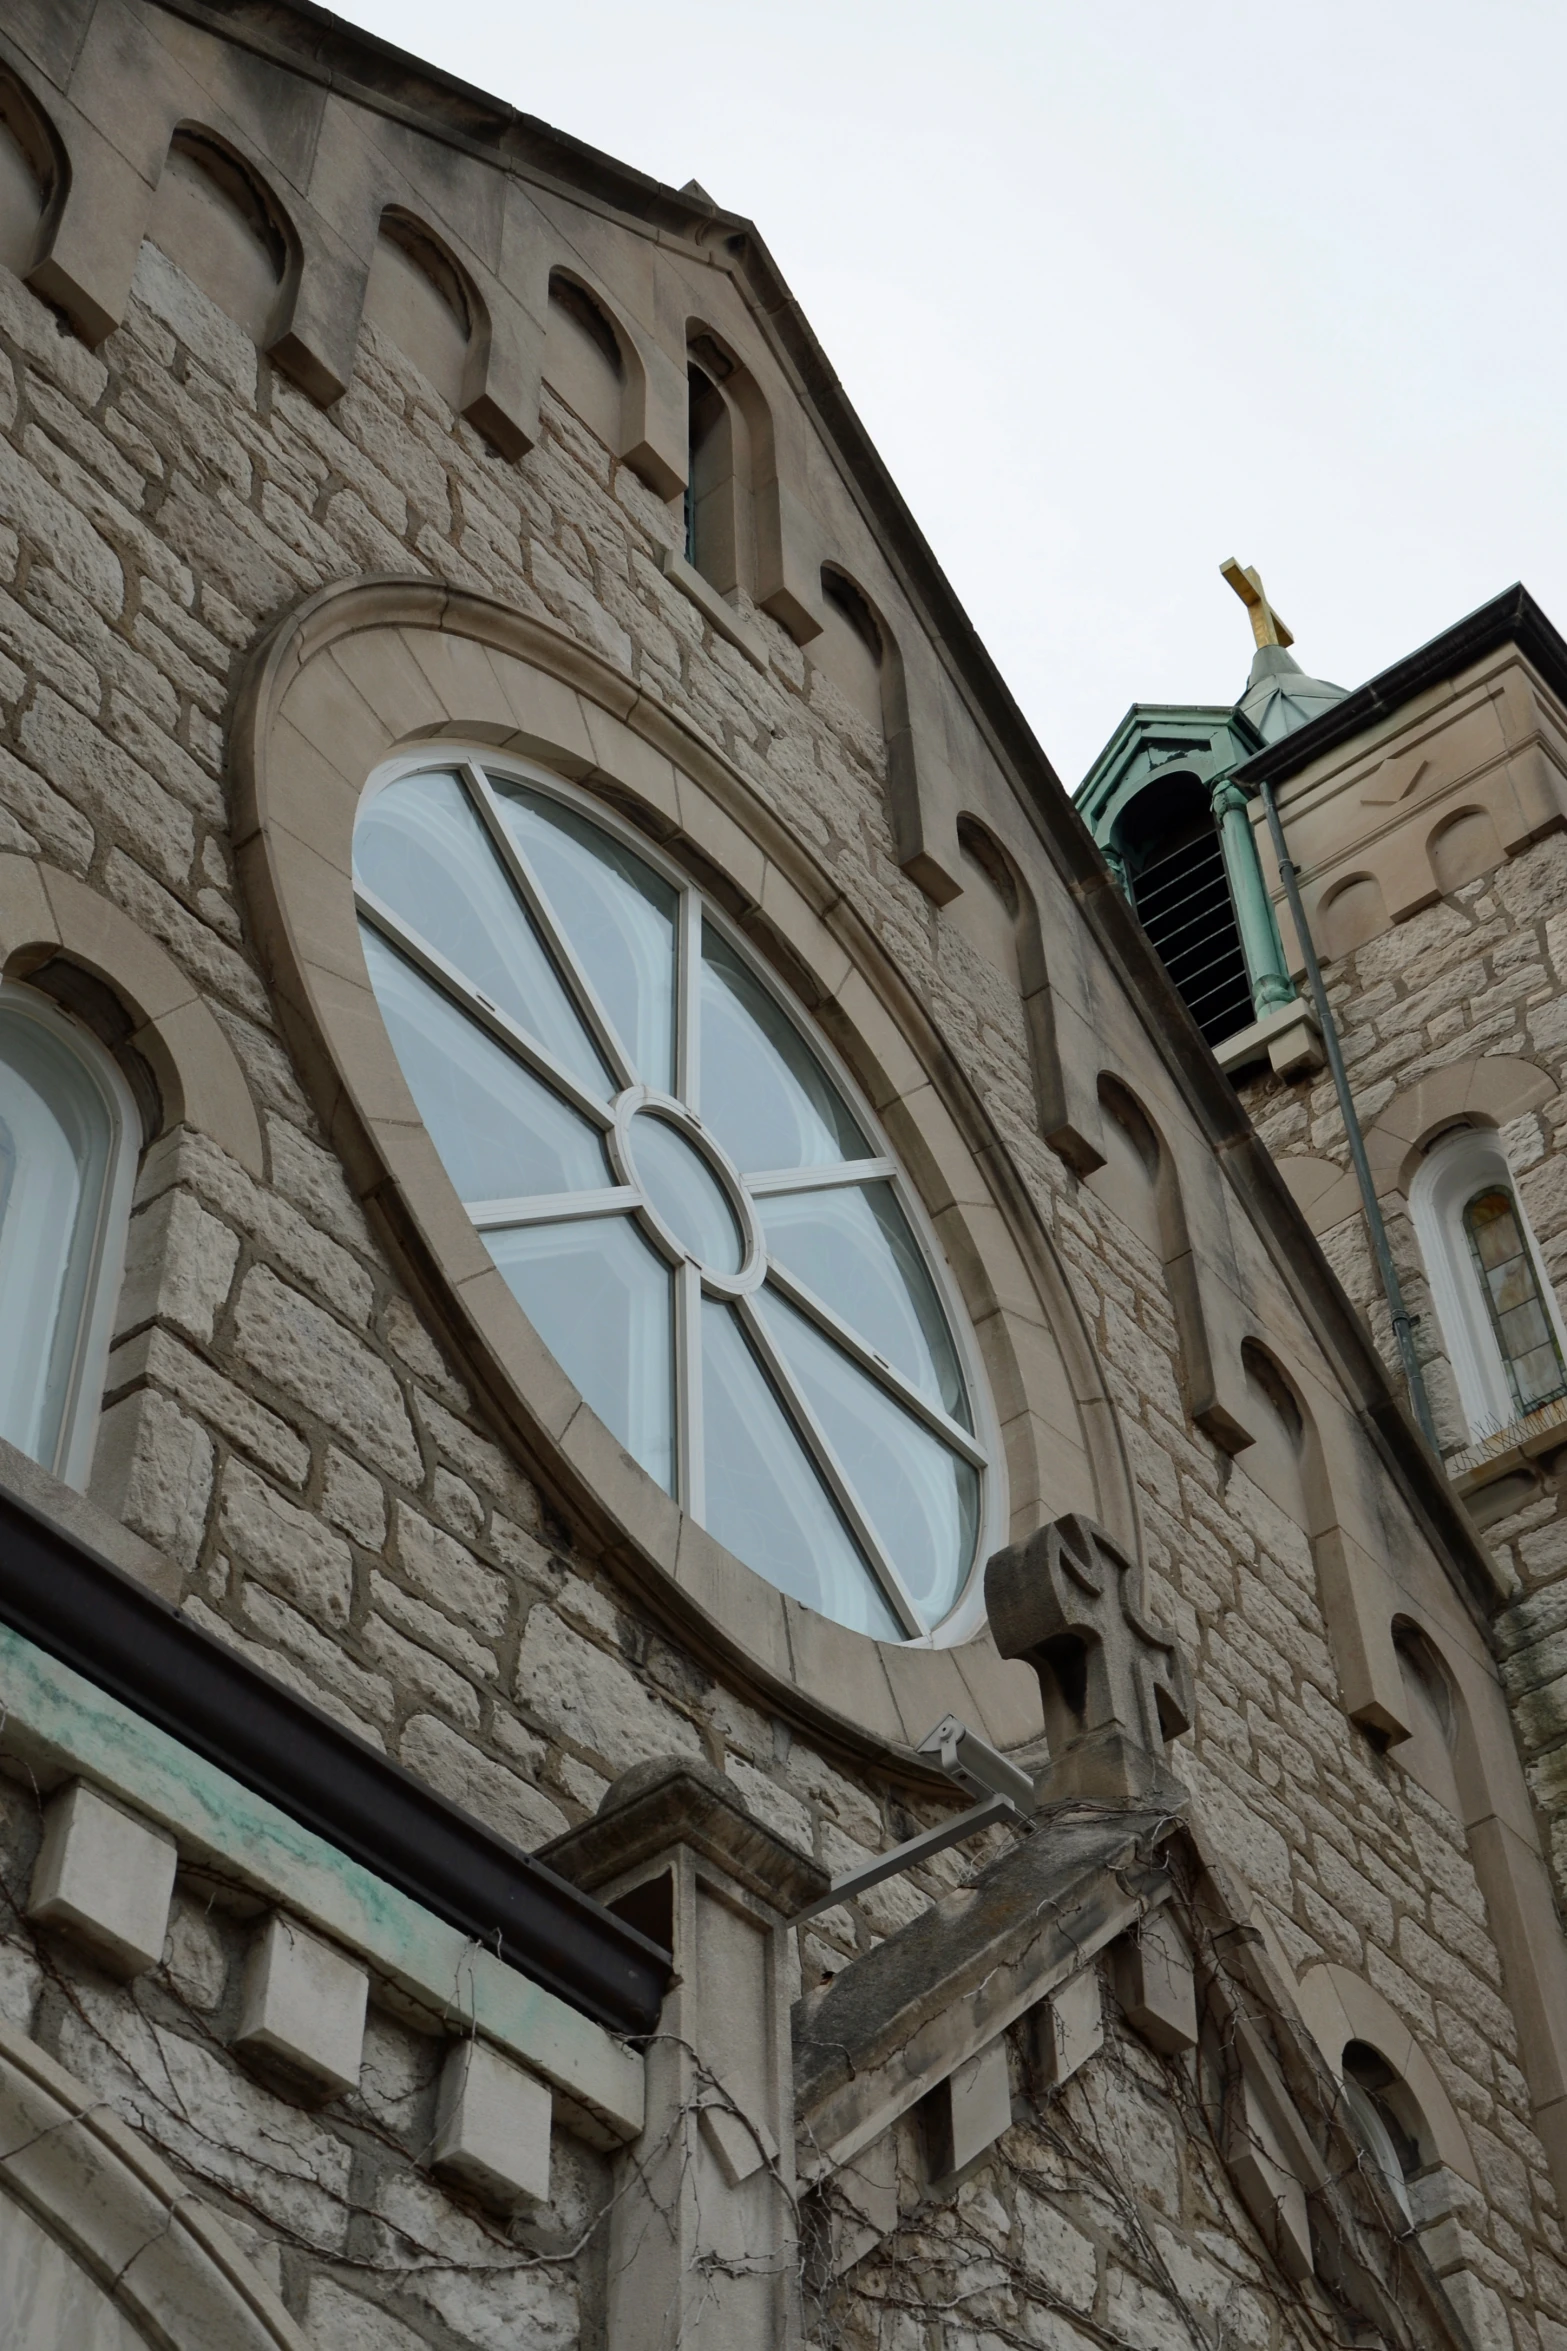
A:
(1169, 843)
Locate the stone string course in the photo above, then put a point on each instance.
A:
(279, 1422)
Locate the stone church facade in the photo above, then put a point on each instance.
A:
(717, 1627)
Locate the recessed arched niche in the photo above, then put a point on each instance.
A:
(419, 298)
(985, 911)
(1278, 1459)
(1356, 912)
(218, 225)
(583, 361)
(1128, 1181)
(1464, 847)
(1432, 1713)
(30, 176)
(849, 650)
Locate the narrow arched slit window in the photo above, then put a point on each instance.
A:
(67, 1159)
(1526, 1341)
(680, 1187)
(1501, 1326)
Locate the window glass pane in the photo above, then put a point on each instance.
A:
(764, 1093)
(423, 851)
(617, 915)
(500, 1131)
(922, 1501)
(1518, 1317)
(55, 1138)
(601, 1302)
(764, 1498)
(852, 1246)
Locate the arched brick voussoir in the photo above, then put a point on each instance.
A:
(44, 913)
(1489, 1088)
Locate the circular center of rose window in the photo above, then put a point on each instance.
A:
(682, 1192)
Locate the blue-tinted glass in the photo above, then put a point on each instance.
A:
(681, 1188)
(501, 1132)
(54, 1149)
(618, 917)
(764, 1498)
(764, 1093)
(921, 1499)
(421, 849)
(601, 1302)
(852, 1246)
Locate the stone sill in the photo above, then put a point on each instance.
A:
(1541, 1431)
(711, 605)
(1289, 1040)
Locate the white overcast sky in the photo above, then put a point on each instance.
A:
(1121, 289)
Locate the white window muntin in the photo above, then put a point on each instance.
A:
(978, 1444)
(58, 1317)
(1455, 1168)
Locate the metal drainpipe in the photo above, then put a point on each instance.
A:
(1403, 1329)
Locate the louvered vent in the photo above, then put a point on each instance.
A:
(1178, 884)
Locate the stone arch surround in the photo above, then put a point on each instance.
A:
(168, 2266)
(364, 669)
(1340, 2006)
(44, 913)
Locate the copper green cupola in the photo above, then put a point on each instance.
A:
(1175, 829)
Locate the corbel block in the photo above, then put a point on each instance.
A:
(493, 2128)
(1155, 1984)
(86, 265)
(1070, 2028)
(1063, 1042)
(863, 2203)
(303, 2012)
(1358, 1605)
(788, 560)
(105, 1878)
(970, 2110)
(316, 341)
(1269, 2186)
(653, 423)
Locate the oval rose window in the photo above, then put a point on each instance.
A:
(696, 1217)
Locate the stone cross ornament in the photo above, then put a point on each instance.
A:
(1115, 1686)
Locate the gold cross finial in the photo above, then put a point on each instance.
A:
(1266, 626)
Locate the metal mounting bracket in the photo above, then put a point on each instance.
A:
(1004, 1790)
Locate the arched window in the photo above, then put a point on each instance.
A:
(1514, 1299)
(67, 1159)
(1169, 849)
(1499, 1317)
(712, 534)
(680, 1188)
(1383, 2116)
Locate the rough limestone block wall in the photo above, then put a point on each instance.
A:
(1482, 971)
(278, 1420)
(1103, 2217)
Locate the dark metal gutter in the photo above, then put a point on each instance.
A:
(67, 1600)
